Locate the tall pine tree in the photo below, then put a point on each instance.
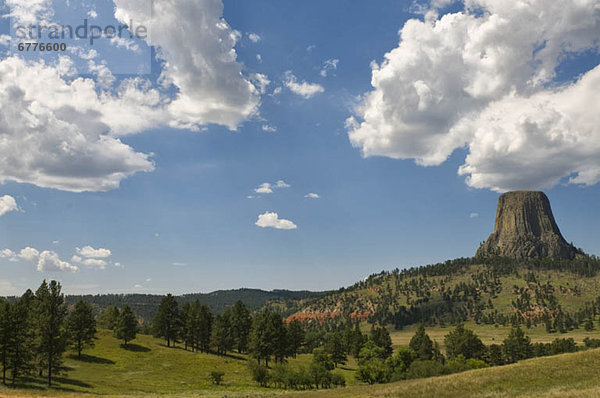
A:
(126, 328)
(51, 313)
(81, 326)
(167, 322)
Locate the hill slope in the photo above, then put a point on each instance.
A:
(567, 375)
(561, 294)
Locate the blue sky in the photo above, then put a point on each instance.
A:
(184, 218)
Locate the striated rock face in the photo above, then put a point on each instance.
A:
(525, 228)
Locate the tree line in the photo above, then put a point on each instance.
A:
(264, 336)
(36, 330)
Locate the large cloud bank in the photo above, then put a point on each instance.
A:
(484, 79)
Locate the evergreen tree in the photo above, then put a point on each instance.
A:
(516, 346)
(381, 337)
(21, 348)
(494, 355)
(190, 319)
(422, 345)
(205, 328)
(463, 341)
(127, 325)
(167, 322)
(279, 338)
(335, 348)
(5, 336)
(295, 337)
(241, 322)
(51, 313)
(258, 345)
(354, 340)
(81, 326)
(222, 338)
(109, 317)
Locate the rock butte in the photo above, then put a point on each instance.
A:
(525, 228)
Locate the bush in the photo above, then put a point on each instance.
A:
(591, 343)
(476, 364)
(427, 368)
(338, 380)
(260, 373)
(373, 372)
(217, 376)
(398, 365)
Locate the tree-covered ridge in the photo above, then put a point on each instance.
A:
(562, 294)
(146, 305)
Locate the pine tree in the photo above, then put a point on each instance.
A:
(335, 348)
(190, 324)
(241, 322)
(422, 344)
(516, 346)
(222, 338)
(23, 334)
(381, 337)
(5, 336)
(295, 337)
(81, 326)
(279, 338)
(109, 317)
(167, 322)
(126, 328)
(205, 328)
(51, 313)
(260, 345)
(463, 342)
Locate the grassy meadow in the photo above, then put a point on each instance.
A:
(148, 368)
(566, 375)
(490, 334)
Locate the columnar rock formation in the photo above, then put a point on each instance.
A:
(525, 228)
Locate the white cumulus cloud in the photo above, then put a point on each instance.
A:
(197, 45)
(312, 195)
(267, 187)
(482, 79)
(46, 260)
(303, 89)
(90, 252)
(272, 220)
(90, 262)
(62, 131)
(254, 37)
(7, 203)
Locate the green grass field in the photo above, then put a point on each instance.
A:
(148, 368)
(490, 334)
(567, 375)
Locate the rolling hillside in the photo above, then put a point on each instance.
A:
(567, 375)
(559, 294)
(148, 368)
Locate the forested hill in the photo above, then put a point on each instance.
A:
(145, 305)
(562, 294)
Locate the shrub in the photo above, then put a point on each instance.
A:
(591, 343)
(398, 365)
(426, 368)
(260, 373)
(217, 376)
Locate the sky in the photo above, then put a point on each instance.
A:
(286, 145)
